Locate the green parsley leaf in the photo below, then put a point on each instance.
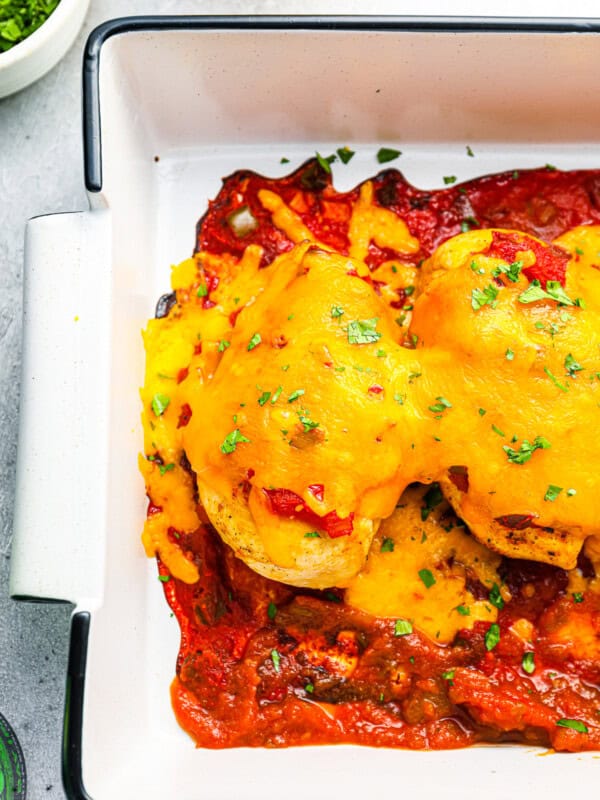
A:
(449, 179)
(512, 271)
(492, 636)
(164, 578)
(553, 291)
(312, 535)
(427, 578)
(528, 663)
(387, 546)
(381, 354)
(482, 412)
(448, 675)
(345, 154)
(309, 688)
(263, 398)
(484, 297)
(552, 492)
(399, 398)
(577, 597)
(276, 659)
(336, 311)
(572, 366)
(202, 290)
(402, 627)
(160, 403)
(307, 422)
(574, 724)
(255, 340)
(163, 468)
(284, 160)
(550, 167)
(498, 431)
(232, 440)
(276, 395)
(223, 345)
(272, 611)
(363, 331)
(385, 154)
(470, 152)
(325, 162)
(464, 611)
(555, 381)
(495, 597)
(295, 395)
(509, 354)
(526, 450)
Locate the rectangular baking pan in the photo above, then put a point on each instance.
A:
(172, 104)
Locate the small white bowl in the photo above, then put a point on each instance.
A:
(27, 61)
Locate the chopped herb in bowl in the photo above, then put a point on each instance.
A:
(20, 18)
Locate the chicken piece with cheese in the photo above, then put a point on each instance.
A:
(298, 436)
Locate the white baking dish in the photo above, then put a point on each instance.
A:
(183, 102)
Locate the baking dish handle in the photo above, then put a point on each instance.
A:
(62, 463)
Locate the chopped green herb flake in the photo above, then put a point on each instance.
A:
(470, 152)
(295, 395)
(276, 395)
(312, 535)
(306, 421)
(309, 688)
(255, 340)
(202, 290)
(555, 381)
(402, 627)
(427, 578)
(512, 271)
(387, 546)
(263, 398)
(432, 498)
(399, 398)
(276, 659)
(449, 179)
(571, 366)
(336, 311)
(385, 154)
(495, 597)
(232, 440)
(484, 297)
(448, 675)
(381, 354)
(577, 597)
(223, 345)
(272, 611)
(363, 331)
(492, 636)
(482, 412)
(284, 160)
(325, 162)
(345, 154)
(553, 291)
(526, 450)
(160, 403)
(163, 468)
(528, 663)
(498, 431)
(164, 578)
(464, 611)
(552, 492)
(574, 724)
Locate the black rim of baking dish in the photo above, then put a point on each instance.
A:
(92, 147)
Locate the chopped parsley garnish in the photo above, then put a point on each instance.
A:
(482, 412)
(223, 345)
(399, 398)
(440, 406)
(272, 611)
(312, 535)
(553, 291)
(579, 251)
(402, 627)
(448, 675)
(309, 688)
(470, 152)
(345, 154)
(550, 167)
(387, 546)
(164, 578)
(160, 403)
(577, 597)
(263, 398)
(276, 659)
(467, 224)
(512, 271)
(495, 597)
(492, 636)
(306, 421)
(202, 290)
(385, 154)
(284, 160)
(432, 498)
(528, 663)
(449, 179)
(484, 297)
(526, 450)
(295, 395)
(552, 492)
(555, 381)
(464, 611)
(163, 468)
(276, 395)
(363, 331)
(381, 353)
(232, 440)
(336, 311)
(509, 354)
(572, 366)
(574, 724)
(255, 340)
(498, 431)
(325, 162)
(427, 577)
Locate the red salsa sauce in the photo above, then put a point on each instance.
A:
(265, 664)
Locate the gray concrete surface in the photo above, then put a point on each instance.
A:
(40, 173)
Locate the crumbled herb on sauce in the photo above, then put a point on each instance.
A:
(263, 398)
(276, 659)
(387, 546)
(574, 724)
(255, 340)
(232, 440)
(336, 311)
(312, 535)
(223, 345)
(528, 663)
(555, 381)
(295, 395)
(449, 179)
(363, 331)
(164, 578)
(385, 154)
(402, 627)
(432, 498)
(427, 577)
(552, 493)
(464, 611)
(160, 403)
(202, 290)
(577, 597)
(492, 636)
(272, 611)
(512, 271)
(571, 366)
(553, 291)
(495, 597)
(164, 468)
(345, 154)
(526, 450)
(484, 297)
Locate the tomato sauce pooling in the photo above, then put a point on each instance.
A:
(265, 664)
